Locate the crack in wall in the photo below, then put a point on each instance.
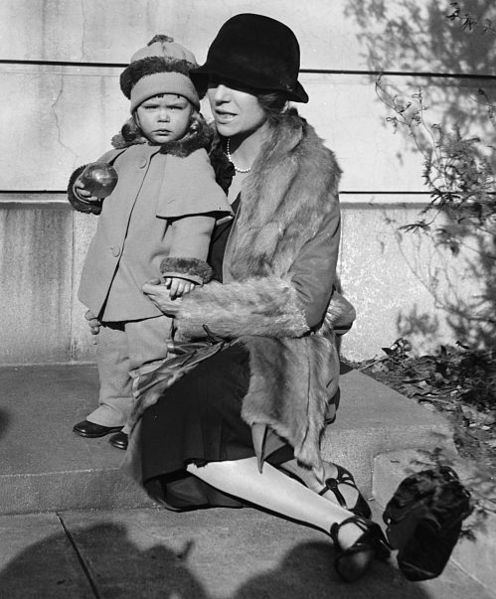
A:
(57, 119)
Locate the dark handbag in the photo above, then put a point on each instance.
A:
(424, 521)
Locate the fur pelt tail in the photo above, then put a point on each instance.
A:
(291, 383)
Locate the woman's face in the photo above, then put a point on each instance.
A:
(236, 112)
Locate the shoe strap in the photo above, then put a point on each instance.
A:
(362, 523)
(345, 477)
(331, 484)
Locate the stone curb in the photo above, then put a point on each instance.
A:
(375, 419)
(70, 490)
(477, 558)
(44, 466)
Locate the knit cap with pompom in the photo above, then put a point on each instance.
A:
(161, 67)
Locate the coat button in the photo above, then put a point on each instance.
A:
(115, 249)
(143, 162)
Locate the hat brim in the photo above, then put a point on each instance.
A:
(201, 75)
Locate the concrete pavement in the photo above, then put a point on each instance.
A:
(206, 554)
(74, 526)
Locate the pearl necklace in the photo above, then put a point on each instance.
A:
(229, 157)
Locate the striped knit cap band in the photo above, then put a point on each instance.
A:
(162, 67)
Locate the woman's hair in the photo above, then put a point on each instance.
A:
(274, 105)
(195, 122)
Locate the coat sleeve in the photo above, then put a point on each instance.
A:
(76, 201)
(269, 306)
(189, 249)
(313, 274)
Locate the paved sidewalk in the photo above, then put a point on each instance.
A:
(52, 545)
(205, 554)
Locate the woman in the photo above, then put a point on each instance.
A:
(252, 410)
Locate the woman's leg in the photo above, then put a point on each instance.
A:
(275, 491)
(309, 479)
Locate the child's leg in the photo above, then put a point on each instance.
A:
(115, 396)
(148, 341)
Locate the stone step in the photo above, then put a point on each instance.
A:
(374, 419)
(44, 466)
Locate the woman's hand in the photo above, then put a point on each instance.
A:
(159, 294)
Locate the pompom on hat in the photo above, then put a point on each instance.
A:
(254, 52)
(162, 67)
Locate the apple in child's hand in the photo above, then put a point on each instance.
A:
(99, 178)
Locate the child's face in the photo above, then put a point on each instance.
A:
(164, 118)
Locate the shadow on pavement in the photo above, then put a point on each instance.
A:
(4, 422)
(107, 565)
(307, 572)
(116, 568)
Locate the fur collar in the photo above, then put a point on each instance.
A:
(291, 189)
(201, 137)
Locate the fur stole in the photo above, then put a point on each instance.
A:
(294, 371)
(289, 195)
(287, 199)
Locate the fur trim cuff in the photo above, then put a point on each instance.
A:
(78, 203)
(193, 269)
(266, 306)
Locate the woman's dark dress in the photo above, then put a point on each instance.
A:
(198, 420)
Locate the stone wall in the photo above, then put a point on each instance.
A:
(60, 63)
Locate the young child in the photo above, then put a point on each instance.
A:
(157, 220)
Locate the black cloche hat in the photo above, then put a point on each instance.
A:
(255, 52)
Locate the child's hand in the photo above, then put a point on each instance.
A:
(178, 287)
(81, 191)
(93, 322)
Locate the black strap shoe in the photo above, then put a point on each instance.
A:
(91, 430)
(344, 477)
(119, 440)
(352, 563)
